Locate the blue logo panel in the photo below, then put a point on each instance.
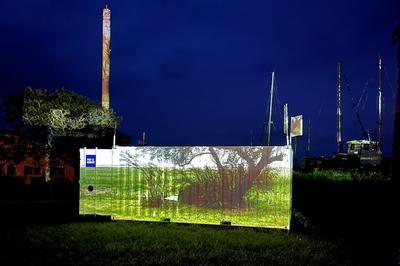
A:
(90, 160)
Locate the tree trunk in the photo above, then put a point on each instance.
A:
(47, 150)
(226, 192)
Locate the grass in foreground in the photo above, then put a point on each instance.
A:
(126, 242)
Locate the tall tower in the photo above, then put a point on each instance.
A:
(339, 109)
(379, 99)
(105, 97)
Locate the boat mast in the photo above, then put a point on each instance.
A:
(270, 107)
(339, 110)
(379, 99)
(309, 138)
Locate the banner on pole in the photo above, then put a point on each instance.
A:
(296, 126)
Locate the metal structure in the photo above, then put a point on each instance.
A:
(309, 137)
(379, 137)
(105, 97)
(270, 107)
(366, 151)
(286, 123)
(339, 110)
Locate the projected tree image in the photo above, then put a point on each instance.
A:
(200, 184)
(221, 175)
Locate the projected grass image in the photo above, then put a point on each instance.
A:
(247, 186)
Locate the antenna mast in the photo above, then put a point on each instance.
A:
(309, 137)
(339, 110)
(270, 107)
(379, 99)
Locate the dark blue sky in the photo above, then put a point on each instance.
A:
(198, 72)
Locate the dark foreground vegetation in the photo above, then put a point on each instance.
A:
(334, 222)
(125, 242)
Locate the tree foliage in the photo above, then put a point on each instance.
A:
(66, 113)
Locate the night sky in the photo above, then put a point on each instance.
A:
(199, 72)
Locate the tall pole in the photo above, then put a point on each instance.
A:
(286, 122)
(295, 147)
(309, 137)
(105, 97)
(270, 107)
(115, 136)
(380, 99)
(396, 133)
(339, 110)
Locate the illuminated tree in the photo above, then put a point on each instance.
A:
(65, 113)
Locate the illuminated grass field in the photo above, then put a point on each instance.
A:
(126, 193)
